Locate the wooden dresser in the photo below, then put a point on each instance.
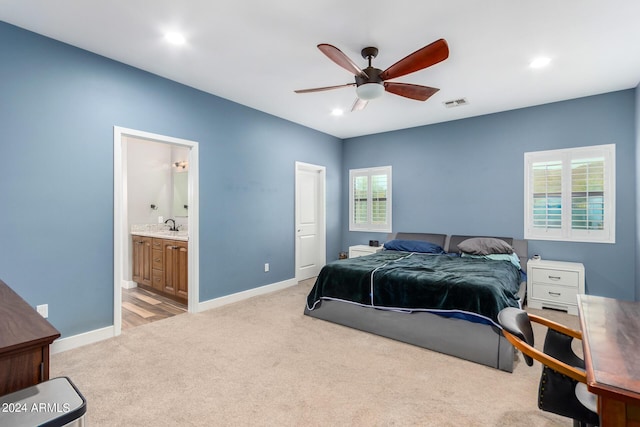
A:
(25, 337)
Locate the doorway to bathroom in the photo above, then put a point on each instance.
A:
(155, 227)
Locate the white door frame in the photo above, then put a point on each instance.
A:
(322, 223)
(121, 256)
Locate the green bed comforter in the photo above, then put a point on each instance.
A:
(414, 281)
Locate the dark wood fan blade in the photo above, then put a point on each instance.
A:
(359, 104)
(320, 89)
(422, 58)
(417, 92)
(337, 56)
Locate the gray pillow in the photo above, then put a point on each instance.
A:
(485, 246)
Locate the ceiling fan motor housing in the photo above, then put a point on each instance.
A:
(374, 76)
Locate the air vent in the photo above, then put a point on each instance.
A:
(456, 103)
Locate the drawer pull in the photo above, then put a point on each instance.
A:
(555, 294)
(554, 277)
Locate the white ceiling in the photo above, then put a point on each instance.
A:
(256, 52)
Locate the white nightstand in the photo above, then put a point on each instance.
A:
(555, 284)
(362, 250)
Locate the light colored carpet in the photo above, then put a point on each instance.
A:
(262, 362)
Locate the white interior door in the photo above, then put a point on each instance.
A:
(310, 220)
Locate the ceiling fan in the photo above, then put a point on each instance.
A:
(372, 82)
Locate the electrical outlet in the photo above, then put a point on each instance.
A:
(43, 310)
(266, 267)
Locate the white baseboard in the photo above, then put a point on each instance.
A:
(128, 284)
(239, 296)
(75, 341)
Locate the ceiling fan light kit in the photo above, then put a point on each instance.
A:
(372, 82)
(369, 91)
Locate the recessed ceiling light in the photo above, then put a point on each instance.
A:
(337, 112)
(175, 38)
(540, 62)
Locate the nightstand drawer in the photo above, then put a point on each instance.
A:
(555, 277)
(556, 294)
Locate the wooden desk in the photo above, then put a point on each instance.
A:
(611, 343)
(25, 337)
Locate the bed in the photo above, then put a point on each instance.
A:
(426, 294)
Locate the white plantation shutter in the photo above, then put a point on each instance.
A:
(370, 199)
(379, 199)
(570, 194)
(547, 195)
(587, 194)
(360, 200)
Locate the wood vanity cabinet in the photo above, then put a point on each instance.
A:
(161, 264)
(175, 268)
(25, 337)
(157, 264)
(141, 266)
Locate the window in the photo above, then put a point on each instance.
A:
(370, 199)
(570, 194)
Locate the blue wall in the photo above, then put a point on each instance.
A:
(467, 177)
(57, 111)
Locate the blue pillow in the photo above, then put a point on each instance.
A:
(414, 246)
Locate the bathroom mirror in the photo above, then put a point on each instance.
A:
(180, 193)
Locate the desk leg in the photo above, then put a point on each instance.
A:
(616, 413)
(612, 412)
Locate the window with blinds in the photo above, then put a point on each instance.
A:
(370, 199)
(570, 194)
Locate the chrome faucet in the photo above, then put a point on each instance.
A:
(174, 228)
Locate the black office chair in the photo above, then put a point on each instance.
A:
(563, 389)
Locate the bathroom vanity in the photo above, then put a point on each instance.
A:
(160, 263)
